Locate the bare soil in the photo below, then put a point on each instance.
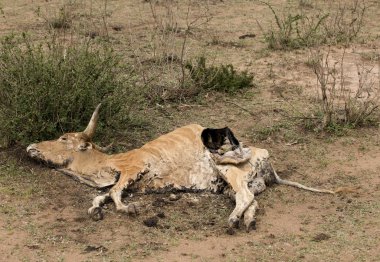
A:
(43, 214)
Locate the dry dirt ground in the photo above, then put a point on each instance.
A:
(43, 213)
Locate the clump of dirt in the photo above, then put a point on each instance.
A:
(161, 215)
(320, 237)
(151, 222)
(159, 202)
(89, 249)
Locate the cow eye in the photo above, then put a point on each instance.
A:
(63, 138)
(85, 146)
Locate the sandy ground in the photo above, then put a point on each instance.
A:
(43, 213)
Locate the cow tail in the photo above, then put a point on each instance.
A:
(298, 185)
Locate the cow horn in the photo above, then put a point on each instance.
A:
(90, 129)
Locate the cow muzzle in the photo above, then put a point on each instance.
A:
(33, 151)
(58, 162)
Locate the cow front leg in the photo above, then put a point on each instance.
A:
(238, 179)
(115, 194)
(123, 183)
(256, 187)
(243, 200)
(95, 211)
(249, 216)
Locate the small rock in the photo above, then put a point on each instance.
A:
(193, 201)
(174, 197)
(117, 27)
(33, 246)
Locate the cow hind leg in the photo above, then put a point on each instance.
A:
(243, 196)
(123, 183)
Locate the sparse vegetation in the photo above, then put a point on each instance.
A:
(265, 132)
(59, 19)
(305, 3)
(345, 22)
(340, 24)
(62, 20)
(161, 63)
(295, 31)
(341, 105)
(371, 56)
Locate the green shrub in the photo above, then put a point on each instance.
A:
(223, 78)
(295, 31)
(60, 22)
(341, 25)
(46, 90)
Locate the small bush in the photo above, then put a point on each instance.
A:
(47, 89)
(294, 31)
(60, 23)
(223, 78)
(341, 105)
(345, 22)
(61, 18)
(305, 3)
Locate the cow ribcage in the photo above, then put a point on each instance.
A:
(193, 172)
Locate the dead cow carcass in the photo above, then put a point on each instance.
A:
(177, 160)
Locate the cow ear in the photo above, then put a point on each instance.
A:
(84, 146)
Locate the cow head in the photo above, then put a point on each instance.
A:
(62, 152)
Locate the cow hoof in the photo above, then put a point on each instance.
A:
(132, 209)
(251, 225)
(233, 222)
(96, 213)
(230, 231)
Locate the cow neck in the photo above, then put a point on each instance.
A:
(88, 162)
